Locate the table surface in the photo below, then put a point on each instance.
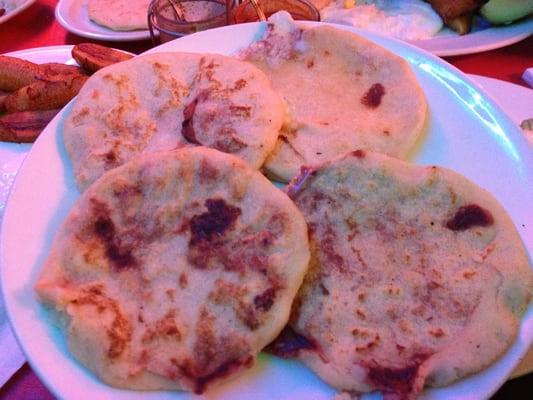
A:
(37, 27)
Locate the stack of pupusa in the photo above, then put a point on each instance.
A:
(417, 276)
(140, 231)
(313, 94)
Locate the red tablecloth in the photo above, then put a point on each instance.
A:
(36, 27)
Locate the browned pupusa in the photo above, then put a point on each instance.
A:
(16, 73)
(176, 269)
(417, 276)
(168, 100)
(450, 9)
(343, 93)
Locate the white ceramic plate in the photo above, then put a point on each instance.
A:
(466, 131)
(11, 157)
(21, 7)
(73, 16)
(449, 43)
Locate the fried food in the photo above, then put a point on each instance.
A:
(457, 14)
(92, 57)
(2, 98)
(450, 9)
(16, 73)
(45, 95)
(25, 126)
(462, 24)
(320, 4)
(57, 71)
(167, 100)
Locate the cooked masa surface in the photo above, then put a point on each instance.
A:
(176, 269)
(417, 276)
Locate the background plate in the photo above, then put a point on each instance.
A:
(449, 43)
(21, 7)
(466, 131)
(73, 16)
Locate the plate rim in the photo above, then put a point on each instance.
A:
(39, 49)
(502, 118)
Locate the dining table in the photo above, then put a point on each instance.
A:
(37, 27)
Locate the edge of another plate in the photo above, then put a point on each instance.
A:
(16, 11)
(477, 42)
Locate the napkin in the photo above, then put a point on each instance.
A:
(528, 76)
(11, 356)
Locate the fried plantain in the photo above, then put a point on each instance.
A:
(16, 73)
(25, 126)
(2, 98)
(45, 95)
(93, 57)
(505, 12)
(32, 93)
(57, 71)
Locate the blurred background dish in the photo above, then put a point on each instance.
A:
(172, 19)
(299, 9)
(443, 27)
